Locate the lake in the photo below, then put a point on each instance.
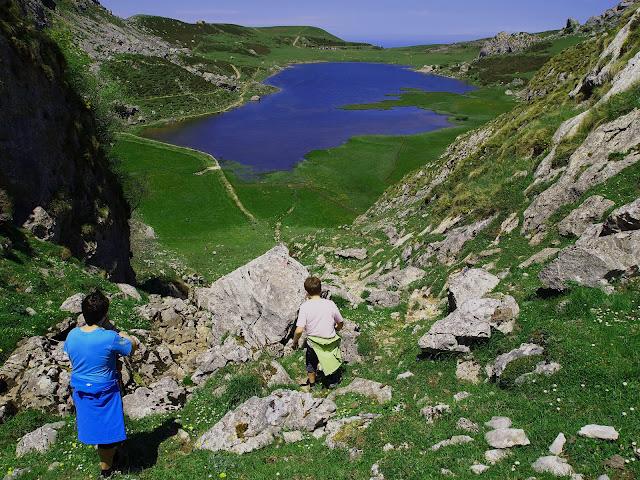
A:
(279, 130)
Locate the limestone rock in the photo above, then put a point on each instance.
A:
(129, 291)
(496, 455)
(276, 375)
(601, 432)
(469, 284)
(458, 397)
(553, 465)
(384, 298)
(500, 364)
(467, 425)
(259, 301)
(400, 278)
(558, 444)
(504, 43)
(540, 257)
(356, 253)
(468, 371)
(73, 304)
(479, 468)
(506, 437)
(258, 421)
(349, 343)
(542, 368)
(455, 440)
(591, 211)
(292, 437)
(40, 440)
(472, 321)
(162, 396)
(218, 357)
(623, 219)
(369, 388)
(42, 225)
(498, 422)
(335, 427)
(434, 412)
(404, 375)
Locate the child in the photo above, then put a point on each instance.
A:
(320, 319)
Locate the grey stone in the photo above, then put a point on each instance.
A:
(162, 396)
(458, 397)
(378, 391)
(471, 321)
(400, 278)
(335, 427)
(42, 225)
(434, 412)
(623, 219)
(356, 253)
(349, 343)
(498, 422)
(558, 444)
(469, 284)
(73, 304)
(467, 425)
(543, 368)
(505, 43)
(276, 375)
(16, 473)
(601, 432)
(257, 422)
(40, 440)
(129, 291)
(215, 358)
(506, 437)
(499, 365)
(455, 440)
(479, 468)
(591, 211)
(384, 298)
(553, 465)
(496, 455)
(292, 437)
(259, 301)
(405, 375)
(541, 257)
(468, 371)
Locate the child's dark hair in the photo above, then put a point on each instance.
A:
(313, 286)
(95, 307)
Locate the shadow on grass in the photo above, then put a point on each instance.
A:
(140, 451)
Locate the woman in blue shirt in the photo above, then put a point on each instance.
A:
(93, 352)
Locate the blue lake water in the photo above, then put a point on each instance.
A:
(277, 132)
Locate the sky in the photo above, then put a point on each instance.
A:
(382, 22)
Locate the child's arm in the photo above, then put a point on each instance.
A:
(337, 317)
(296, 337)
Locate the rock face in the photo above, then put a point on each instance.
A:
(259, 301)
(591, 164)
(591, 211)
(471, 322)
(161, 397)
(40, 440)
(257, 422)
(469, 284)
(56, 173)
(505, 42)
(602, 253)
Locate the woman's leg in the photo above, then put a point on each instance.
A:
(106, 454)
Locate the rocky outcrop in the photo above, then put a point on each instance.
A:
(257, 422)
(500, 364)
(602, 253)
(608, 18)
(163, 396)
(469, 284)
(209, 362)
(378, 391)
(336, 427)
(259, 301)
(54, 168)
(504, 43)
(590, 165)
(40, 440)
(589, 212)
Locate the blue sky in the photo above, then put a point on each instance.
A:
(386, 22)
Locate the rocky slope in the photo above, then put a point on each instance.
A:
(58, 180)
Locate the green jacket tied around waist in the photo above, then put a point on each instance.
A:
(328, 352)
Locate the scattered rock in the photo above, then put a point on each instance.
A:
(16, 473)
(73, 304)
(500, 364)
(541, 257)
(615, 461)
(558, 444)
(468, 371)
(404, 375)
(218, 357)
(496, 455)
(292, 437)
(383, 298)
(276, 375)
(400, 278)
(479, 468)
(445, 472)
(553, 465)
(434, 412)
(40, 440)
(162, 396)
(259, 301)
(30, 311)
(369, 388)
(458, 397)
(591, 211)
(337, 430)
(42, 225)
(601, 432)
(469, 284)
(257, 422)
(375, 472)
(506, 437)
(129, 291)
(543, 368)
(455, 440)
(255, 98)
(467, 425)
(356, 253)
(498, 422)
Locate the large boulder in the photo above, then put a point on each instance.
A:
(591, 211)
(162, 396)
(469, 284)
(42, 225)
(257, 422)
(40, 440)
(259, 301)
(369, 388)
(504, 43)
(602, 253)
(470, 322)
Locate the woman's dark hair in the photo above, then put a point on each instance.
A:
(95, 307)
(313, 286)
